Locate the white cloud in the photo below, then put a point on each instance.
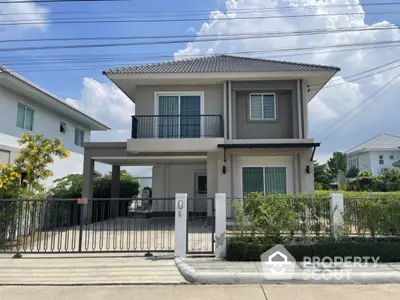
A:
(108, 104)
(23, 12)
(332, 103)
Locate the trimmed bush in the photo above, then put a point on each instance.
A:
(244, 248)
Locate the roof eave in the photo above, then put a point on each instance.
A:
(219, 75)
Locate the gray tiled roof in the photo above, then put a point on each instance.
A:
(220, 64)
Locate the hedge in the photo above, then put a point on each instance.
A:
(357, 194)
(243, 248)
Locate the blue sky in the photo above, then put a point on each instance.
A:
(70, 84)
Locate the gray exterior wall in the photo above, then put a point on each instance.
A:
(213, 97)
(286, 124)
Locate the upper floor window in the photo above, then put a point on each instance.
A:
(79, 137)
(63, 127)
(262, 107)
(391, 157)
(25, 117)
(381, 161)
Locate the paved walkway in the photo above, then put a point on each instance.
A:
(180, 292)
(215, 271)
(72, 269)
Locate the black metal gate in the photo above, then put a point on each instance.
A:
(200, 226)
(87, 225)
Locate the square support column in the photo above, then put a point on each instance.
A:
(180, 225)
(87, 187)
(115, 190)
(212, 180)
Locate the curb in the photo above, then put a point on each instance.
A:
(194, 277)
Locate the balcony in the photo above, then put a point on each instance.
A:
(177, 126)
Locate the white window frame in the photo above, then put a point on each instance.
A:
(262, 108)
(33, 115)
(381, 159)
(264, 166)
(83, 136)
(157, 95)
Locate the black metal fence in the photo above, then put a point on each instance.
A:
(94, 225)
(177, 126)
(311, 215)
(279, 215)
(200, 225)
(372, 215)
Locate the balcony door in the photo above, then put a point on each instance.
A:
(179, 116)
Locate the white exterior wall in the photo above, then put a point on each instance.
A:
(369, 161)
(47, 123)
(376, 168)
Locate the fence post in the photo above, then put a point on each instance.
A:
(180, 224)
(337, 212)
(220, 225)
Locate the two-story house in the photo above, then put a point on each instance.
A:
(380, 153)
(25, 107)
(213, 124)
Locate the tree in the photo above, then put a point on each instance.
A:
(352, 172)
(337, 163)
(30, 166)
(322, 178)
(70, 186)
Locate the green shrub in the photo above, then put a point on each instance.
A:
(276, 215)
(250, 248)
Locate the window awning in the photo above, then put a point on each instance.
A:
(268, 145)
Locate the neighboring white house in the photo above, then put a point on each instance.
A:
(25, 107)
(216, 124)
(380, 153)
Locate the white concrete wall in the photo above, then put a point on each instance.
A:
(369, 161)
(376, 168)
(169, 179)
(47, 123)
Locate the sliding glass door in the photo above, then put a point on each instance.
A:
(266, 180)
(179, 116)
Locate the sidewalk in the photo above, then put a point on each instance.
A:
(210, 292)
(215, 271)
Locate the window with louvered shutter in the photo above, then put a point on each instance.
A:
(262, 107)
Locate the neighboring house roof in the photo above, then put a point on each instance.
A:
(220, 63)
(53, 102)
(382, 141)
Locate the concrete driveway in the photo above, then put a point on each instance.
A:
(78, 269)
(120, 234)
